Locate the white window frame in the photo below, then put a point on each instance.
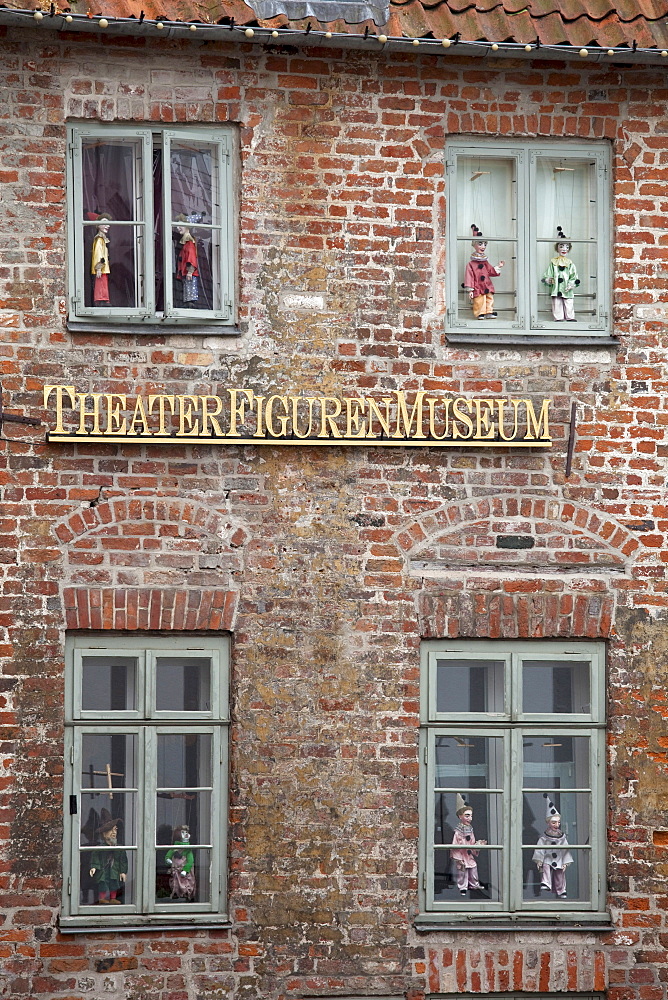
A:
(147, 723)
(511, 724)
(221, 138)
(526, 156)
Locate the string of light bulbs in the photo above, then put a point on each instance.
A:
(379, 40)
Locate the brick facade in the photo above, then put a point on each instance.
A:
(328, 566)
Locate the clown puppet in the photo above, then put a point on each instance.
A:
(562, 278)
(552, 856)
(478, 277)
(464, 854)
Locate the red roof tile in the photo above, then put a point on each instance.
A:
(576, 23)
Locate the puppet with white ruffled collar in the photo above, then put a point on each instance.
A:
(562, 277)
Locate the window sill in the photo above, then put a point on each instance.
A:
(581, 923)
(153, 329)
(501, 339)
(134, 924)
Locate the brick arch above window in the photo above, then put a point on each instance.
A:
(145, 562)
(522, 533)
(516, 567)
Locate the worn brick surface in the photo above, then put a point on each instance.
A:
(328, 566)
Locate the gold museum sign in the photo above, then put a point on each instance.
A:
(239, 416)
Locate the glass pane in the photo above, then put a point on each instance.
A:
(554, 762)
(108, 683)
(477, 878)
(112, 272)
(108, 819)
(468, 762)
(182, 875)
(566, 197)
(184, 760)
(111, 177)
(106, 885)
(545, 814)
(556, 686)
(183, 684)
(196, 265)
(475, 273)
(109, 760)
(584, 298)
(561, 875)
(469, 686)
(486, 204)
(196, 221)
(183, 815)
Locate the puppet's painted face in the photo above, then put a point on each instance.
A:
(563, 248)
(104, 229)
(480, 246)
(554, 822)
(111, 836)
(184, 834)
(467, 816)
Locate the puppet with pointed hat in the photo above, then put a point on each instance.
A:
(464, 854)
(99, 259)
(562, 277)
(552, 856)
(478, 277)
(108, 865)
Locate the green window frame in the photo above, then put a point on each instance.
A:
(513, 727)
(517, 194)
(151, 180)
(146, 751)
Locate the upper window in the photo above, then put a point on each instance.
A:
(528, 245)
(513, 783)
(150, 225)
(146, 751)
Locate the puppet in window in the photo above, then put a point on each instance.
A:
(562, 278)
(464, 854)
(99, 260)
(181, 861)
(187, 271)
(478, 277)
(552, 856)
(108, 866)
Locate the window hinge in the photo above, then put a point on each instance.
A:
(426, 755)
(424, 880)
(69, 885)
(72, 754)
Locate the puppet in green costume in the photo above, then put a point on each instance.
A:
(562, 277)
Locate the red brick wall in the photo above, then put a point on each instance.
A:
(314, 559)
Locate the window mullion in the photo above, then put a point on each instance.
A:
(146, 807)
(513, 865)
(147, 261)
(167, 244)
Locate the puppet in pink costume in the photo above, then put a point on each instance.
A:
(478, 277)
(552, 856)
(464, 856)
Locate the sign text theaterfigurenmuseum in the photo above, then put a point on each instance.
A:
(240, 416)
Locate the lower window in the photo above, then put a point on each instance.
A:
(146, 752)
(513, 782)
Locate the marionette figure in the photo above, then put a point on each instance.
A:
(478, 277)
(552, 856)
(108, 868)
(181, 861)
(464, 856)
(99, 260)
(562, 277)
(187, 271)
